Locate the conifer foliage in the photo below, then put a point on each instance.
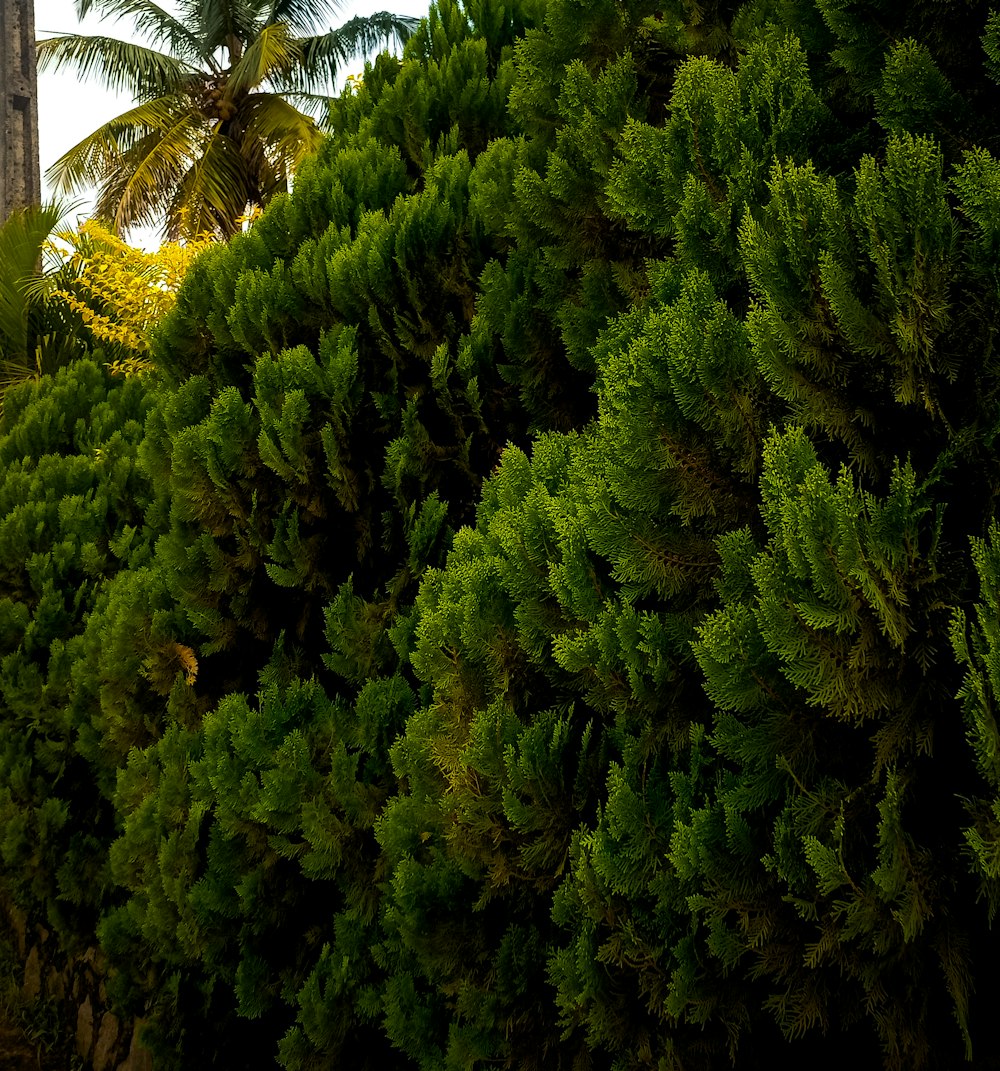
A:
(540, 609)
(72, 503)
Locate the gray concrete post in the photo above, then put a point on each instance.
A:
(20, 182)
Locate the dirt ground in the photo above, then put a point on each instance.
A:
(16, 1054)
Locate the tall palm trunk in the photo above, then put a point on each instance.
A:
(20, 184)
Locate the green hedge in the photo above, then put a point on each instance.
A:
(542, 613)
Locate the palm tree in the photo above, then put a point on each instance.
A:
(38, 330)
(225, 105)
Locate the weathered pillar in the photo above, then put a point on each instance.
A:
(20, 183)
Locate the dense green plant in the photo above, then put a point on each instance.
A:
(71, 503)
(553, 619)
(309, 462)
(768, 841)
(37, 332)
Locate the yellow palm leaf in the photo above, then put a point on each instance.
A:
(273, 53)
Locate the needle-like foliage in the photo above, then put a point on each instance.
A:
(549, 618)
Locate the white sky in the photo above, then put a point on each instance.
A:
(69, 110)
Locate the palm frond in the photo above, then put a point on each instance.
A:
(287, 133)
(14, 372)
(214, 193)
(224, 23)
(250, 121)
(145, 207)
(56, 271)
(22, 236)
(121, 66)
(323, 55)
(155, 22)
(90, 160)
(272, 54)
(139, 190)
(315, 105)
(302, 17)
(269, 171)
